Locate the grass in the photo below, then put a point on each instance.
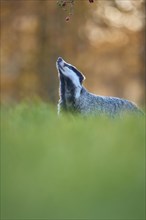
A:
(70, 167)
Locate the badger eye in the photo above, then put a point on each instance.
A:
(66, 65)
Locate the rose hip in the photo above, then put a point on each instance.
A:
(67, 18)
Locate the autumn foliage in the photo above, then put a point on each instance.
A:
(104, 40)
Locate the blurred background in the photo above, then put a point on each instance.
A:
(71, 168)
(105, 40)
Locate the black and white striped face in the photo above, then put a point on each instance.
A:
(70, 72)
(70, 80)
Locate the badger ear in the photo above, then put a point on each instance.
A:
(79, 74)
(82, 78)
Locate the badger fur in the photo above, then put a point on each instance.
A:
(75, 98)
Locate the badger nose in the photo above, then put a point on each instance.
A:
(59, 59)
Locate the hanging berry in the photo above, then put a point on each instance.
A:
(67, 5)
(67, 18)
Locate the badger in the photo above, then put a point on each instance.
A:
(74, 97)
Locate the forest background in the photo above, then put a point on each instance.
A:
(105, 40)
(71, 167)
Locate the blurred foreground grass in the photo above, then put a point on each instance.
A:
(57, 168)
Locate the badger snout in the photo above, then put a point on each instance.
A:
(60, 64)
(59, 60)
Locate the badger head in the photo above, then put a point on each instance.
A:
(71, 79)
